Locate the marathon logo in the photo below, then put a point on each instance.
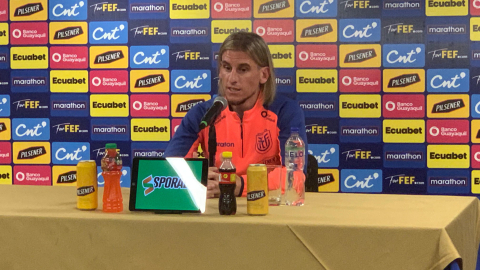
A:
(109, 105)
(448, 106)
(108, 57)
(403, 156)
(408, 130)
(362, 131)
(324, 179)
(317, 105)
(189, 7)
(189, 31)
(28, 9)
(476, 55)
(57, 80)
(360, 56)
(273, 6)
(68, 33)
(401, 5)
(404, 80)
(84, 191)
(284, 80)
(317, 30)
(319, 80)
(68, 177)
(69, 105)
(33, 81)
(154, 129)
(187, 105)
(255, 195)
(149, 81)
(3, 58)
(447, 181)
(29, 57)
(31, 152)
(448, 3)
(109, 129)
(452, 155)
(448, 29)
(148, 153)
(147, 8)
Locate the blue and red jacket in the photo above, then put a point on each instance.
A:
(258, 138)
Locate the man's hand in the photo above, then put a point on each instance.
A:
(213, 189)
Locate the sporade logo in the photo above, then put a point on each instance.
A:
(273, 6)
(68, 33)
(149, 81)
(28, 9)
(404, 80)
(187, 105)
(360, 56)
(32, 152)
(151, 183)
(317, 30)
(109, 57)
(448, 106)
(68, 177)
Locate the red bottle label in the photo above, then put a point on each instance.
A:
(227, 177)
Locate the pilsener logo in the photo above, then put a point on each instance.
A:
(448, 80)
(447, 8)
(151, 129)
(272, 9)
(31, 129)
(316, 30)
(109, 57)
(25, 10)
(360, 30)
(64, 176)
(316, 8)
(448, 156)
(361, 180)
(69, 81)
(181, 104)
(191, 81)
(108, 32)
(31, 152)
(403, 131)
(109, 105)
(68, 10)
(149, 81)
(317, 80)
(448, 106)
(403, 80)
(360, 56)
(29, 33)
(149, 57)
(360, 106)
(189, 9)
(68, 33)
(404, 55)
(283, 55)
(29, 57)
(221, 29)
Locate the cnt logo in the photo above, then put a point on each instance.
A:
(316, 8)
(360, 30)
(325, 154)
(191, 81)
(149, 57)
(68, 10)
(361, 180)
(448, 80)
(70, 153)
(26, 129)
(108, 32)
(407, 55)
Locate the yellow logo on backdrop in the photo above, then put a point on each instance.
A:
(189, 9)
(403, 80)
(4, 34)
(5, 129)
(448, 106)
(475, 131)
(64, 175)
(476, 181)
(109, 106)
(31, 153)
(69, 81)
(150, 129)
(446, 7)
(475, 29)
(316, 30)
(29, 57)
(181, 104)
(360, 56)
(221, 29)
(149, 81)
(68, 33)
(273, 8)
(6, 175)
(328, 180)
(283, 55)
(109, 57)
(28, 10)
(403, 131)
(360, 106)
(448, 156)
(317, 80)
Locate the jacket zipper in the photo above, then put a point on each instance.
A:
(241, 134)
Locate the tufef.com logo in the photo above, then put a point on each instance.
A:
(181, 104)
(447, 55)
(109, 81)
(31, 129)
(143, 9)
(360, 30)
(321, 130)
(70, 153)
(69, 129)
(316, 8)
(109, 57)
(149, 57)
(32, 175)
(75, 105)
(142, 32)
(317, 80)
(110, 129)
(405, 30)
(228, 9)
(359, 8)
(68, 33)
(274, 30)
(189, 9)
(69, 81)
(404, 80)
(68, 10)
(29, 33)
(360, 56)
(327, 155)
(27, 10)
(448, 131)
(448, 106)
(191, 81)
(192, 56)
(403, 55)
(151, 129)
(403, 106)
(31, 152)
(365, 156)
(109, 106)
(316, 30)
(283, 56)
(448, 80)
(404, 181)
(360, 106)
(317, 56)
(107, 10)
(108, 32)
(360, 80)
(404, 131)
(69, 57)
(149, 81)
(221, 29)
(36, 105)
(448, 156)
(29, 57)
(273, 9)
(361, 180)
(447, 8)
(150, 105)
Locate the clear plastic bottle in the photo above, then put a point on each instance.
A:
(294, 162)
(111, 171)
(227, 203)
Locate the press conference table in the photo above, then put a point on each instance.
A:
(41, 229)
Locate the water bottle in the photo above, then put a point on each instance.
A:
(111, 171)
(294, 162)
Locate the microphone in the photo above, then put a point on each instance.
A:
(219, 104)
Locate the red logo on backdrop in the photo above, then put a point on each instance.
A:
(109, 81)
(5, 153)
(175, 123)
(231, 9)
(150, 105)
(360, 80)
(32, 175)
(475, 7)
(403, 106)
(448, 131)
(475, 156)
(28, 33)
(275, 30)
(69, 57)
(317, 56)
(3, 10)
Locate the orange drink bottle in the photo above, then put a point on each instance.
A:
(111, 171)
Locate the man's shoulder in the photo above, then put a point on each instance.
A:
(200, 108)
(283, 104)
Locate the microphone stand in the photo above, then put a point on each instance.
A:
(212, 144)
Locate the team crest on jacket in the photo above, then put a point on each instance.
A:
(264, 141)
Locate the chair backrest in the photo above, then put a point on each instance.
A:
(311, 181)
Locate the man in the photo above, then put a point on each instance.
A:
(256, 123)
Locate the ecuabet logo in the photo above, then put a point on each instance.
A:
(107, 10)
(109, 57)
(403, 55)
(448, 106)
(283, 56)
(448, 156)
(317, 80)
(189, 9)
(149, 57)
(221, 29)
(360, 80)
(25, 10)
(29, 57)
(360, 30)
(70, 152)
(316, 8)
(151, 129)
(316, 56)
(191, 81)
(448, 131)
(448, 80)
(403, 106)
(274, 30)
(108, 32)
(360, 106)
(32, 175)
(109, 105)
(225, 9)
(327, 155)
(31, 129)
(29, 33)
(109, 81)
(447, 8)
(69, 81)
(360, 56)
(404, 131)
(68, 10)
(150, 105)
(69, 57)
(361, 180)
(31, 152)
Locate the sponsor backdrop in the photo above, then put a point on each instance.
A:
(390, 89)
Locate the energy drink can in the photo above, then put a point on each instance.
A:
(87, 186)
(257, 190)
